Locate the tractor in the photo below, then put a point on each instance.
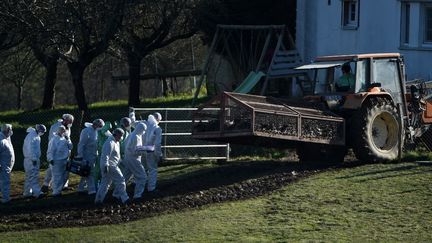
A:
(377, 116)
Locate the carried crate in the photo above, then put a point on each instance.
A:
(79, 167)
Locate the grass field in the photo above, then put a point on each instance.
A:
(377, 202)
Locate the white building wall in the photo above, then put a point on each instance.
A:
(320, 32)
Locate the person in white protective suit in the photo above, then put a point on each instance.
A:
(58, 153)
(132, 159)
(66, 121)
(7, 160)
(126, 126)
(153, 138)
(87, 150)
(109, 161)
(126, 123)
(32, 153)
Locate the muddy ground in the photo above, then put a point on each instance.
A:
(229, 182)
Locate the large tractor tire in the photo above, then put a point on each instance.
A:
(321, 154)
(375, 131)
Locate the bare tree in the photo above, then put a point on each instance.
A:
(76, 31)
(148, 26)
(17, 68)
(8, 40)
(9, 36)
(35, 21)
(86, 29)
(49, 58)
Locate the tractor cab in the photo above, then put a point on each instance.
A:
(329, 77)
(336, 79)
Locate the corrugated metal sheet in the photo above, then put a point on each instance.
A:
(318, 65)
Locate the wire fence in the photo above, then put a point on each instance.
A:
(177, 141)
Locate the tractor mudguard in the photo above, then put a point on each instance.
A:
(355, 101)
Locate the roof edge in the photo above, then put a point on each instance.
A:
(358, 56)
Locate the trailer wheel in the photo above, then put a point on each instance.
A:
(321, 154)
(375, 131)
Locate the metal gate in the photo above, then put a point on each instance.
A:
(177, 141)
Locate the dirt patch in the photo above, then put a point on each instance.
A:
(224, 183)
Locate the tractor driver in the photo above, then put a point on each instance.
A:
(347, 81)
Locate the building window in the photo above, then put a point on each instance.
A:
(405, 23)
(350, 14)
(428, 24)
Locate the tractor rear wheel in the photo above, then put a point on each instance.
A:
(321, 154)
(375, 131)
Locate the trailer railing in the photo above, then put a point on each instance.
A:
(177, 141)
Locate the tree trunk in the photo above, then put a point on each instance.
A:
(172, 86)
(134, 63)
(19, 97)
(164, 87)
(50, 82)
(77, 71)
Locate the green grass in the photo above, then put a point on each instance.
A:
(417, 155)
(380, 202)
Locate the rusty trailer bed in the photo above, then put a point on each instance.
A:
(251, 119)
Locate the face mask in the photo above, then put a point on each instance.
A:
(69, 125)
(40, 133)
(98, 129)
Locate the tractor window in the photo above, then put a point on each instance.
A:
(322, 82)
(361, 76)
(333, 79)
(345, 81)
(386, 73)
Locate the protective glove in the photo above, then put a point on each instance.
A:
(34, 162)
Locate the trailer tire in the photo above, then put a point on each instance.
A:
(321, 154)
(375, 131)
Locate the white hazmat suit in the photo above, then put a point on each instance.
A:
(58, 152)
(32, 153)
(153, 137)
(7, 160)
(132, 159)
(52, 132)
(87, 150)
(110, 158)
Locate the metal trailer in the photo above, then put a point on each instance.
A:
(251, 119)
